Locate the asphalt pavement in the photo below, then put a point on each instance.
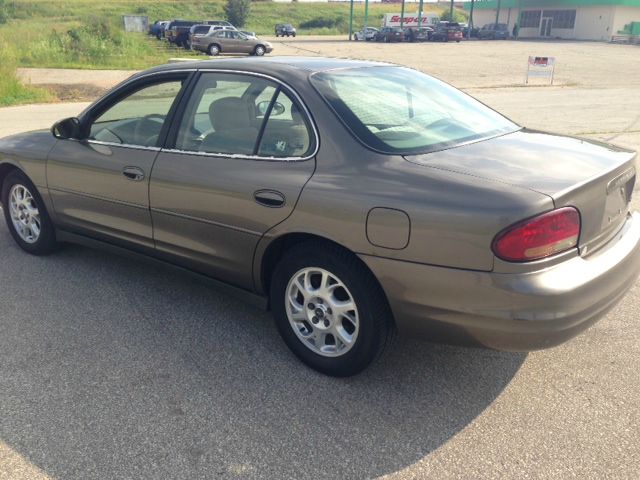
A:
(111, 368)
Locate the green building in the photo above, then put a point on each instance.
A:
(570, 19)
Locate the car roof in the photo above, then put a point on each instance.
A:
(270, 65)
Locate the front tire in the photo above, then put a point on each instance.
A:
(26, 215)
(329, 309)
(259, 51)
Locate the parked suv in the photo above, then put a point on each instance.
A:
(285, 29)
(494, 31)
(446, 32)
(389, 34)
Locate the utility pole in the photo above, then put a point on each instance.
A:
(351, 21)
(420, 14)
(451, 12)
(497, 14)
(470, 26)
(366, 15)
(402, 15)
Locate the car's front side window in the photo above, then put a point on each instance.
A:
(138, 118)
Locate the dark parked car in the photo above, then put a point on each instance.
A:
(154, 29)
(158, 28)
(285, 29)
(177, 32)
(494, 31)
(447, 32)
(352, 198)
(465, 31)
(389, 34)
(422, 34)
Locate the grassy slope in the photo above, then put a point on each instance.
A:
(88, 33)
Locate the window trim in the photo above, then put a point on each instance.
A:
(170, 140)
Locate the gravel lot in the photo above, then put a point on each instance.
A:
(114, 369)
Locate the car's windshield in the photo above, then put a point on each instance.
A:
(400, 110)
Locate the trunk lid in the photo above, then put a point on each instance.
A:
(596, 178)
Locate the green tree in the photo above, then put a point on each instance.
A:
(237, 11)
(458, 16)
(4, 14)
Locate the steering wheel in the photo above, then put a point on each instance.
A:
(444, 123)
(147, 128)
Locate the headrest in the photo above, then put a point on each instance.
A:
(229, 113)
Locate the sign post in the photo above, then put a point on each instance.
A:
(540, 67)
(366, 15)
(351, 21)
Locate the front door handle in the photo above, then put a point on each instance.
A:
(269, 198)
(133, 173)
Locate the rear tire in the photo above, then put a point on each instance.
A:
(329, 309)
(26, 215)
(213, 50)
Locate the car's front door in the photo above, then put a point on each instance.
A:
(243, 43)
(100, 185)
(239, 154)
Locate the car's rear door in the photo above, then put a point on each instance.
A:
(100, 186)
(239, 153)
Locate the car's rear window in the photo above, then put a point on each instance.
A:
(400, 110)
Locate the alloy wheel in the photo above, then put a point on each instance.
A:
(322, 312)
(25, 215)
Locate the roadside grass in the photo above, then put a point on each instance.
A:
(88, 34)
(12, 91)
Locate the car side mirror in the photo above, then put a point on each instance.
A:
(278, 108)
(69, 128)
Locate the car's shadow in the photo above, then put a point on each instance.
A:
(112, 368)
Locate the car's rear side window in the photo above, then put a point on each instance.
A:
(400, 110)
(226, 114)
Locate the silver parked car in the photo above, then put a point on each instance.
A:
(367, 34)
(230, 41)
(352, 198)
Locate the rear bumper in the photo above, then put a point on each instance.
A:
(517, 312)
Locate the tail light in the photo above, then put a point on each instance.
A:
(539, 237)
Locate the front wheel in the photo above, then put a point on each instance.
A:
(329, 309)
(26, 215)
(259, 50)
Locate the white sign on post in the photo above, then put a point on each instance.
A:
(540, 67)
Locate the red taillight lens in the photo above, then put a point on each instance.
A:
(547, 234)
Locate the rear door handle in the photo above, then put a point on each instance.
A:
(133, 173)
(269, 198)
